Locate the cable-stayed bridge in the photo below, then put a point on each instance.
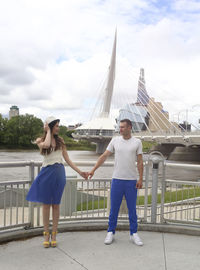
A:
(150, 121)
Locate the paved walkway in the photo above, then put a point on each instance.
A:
(85, 250)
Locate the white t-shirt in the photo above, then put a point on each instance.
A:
(126, 152)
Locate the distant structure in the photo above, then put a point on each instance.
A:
(185, 126)
(101, 129)
(159, 118)
(156, 117)
(142, 96)
(146, 113)
(14, 111)
(137, 112)
(72, 127)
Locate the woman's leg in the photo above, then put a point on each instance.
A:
(55, 214)
(46, 213)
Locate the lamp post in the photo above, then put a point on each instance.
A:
(186, 117)
(181, 112)
(172, 116)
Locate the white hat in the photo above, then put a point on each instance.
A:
(51, 119)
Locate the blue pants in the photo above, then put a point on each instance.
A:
(129, 190)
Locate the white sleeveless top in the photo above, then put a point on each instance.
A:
(52, 158)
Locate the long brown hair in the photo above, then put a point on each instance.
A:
(59, 141)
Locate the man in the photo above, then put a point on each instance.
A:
(126, 149)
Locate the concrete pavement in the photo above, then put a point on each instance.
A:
(86, 250)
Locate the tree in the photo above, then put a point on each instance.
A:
(64, 132)
(22, 129)
(3, 123)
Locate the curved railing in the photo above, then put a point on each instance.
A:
(160, 201)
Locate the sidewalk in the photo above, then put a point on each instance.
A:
(86, 250)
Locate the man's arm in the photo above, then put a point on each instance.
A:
(140, 170)
(100, 161)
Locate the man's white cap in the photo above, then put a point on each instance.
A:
(51, 119)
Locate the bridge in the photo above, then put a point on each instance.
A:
(150, 121)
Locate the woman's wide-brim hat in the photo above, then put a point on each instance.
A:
(51, 119)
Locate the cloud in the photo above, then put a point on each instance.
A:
(55, 54)
(182, 5)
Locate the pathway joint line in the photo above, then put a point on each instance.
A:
(72, 258)
(165, 259)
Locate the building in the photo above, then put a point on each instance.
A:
(72, 127)
(146, 113)
(159, 118)
(14, 111)
(142, 95)
(185, 126)
(137, 114)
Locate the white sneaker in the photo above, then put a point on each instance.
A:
(136, 239)
(109, 238)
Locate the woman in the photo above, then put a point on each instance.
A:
(48, 186)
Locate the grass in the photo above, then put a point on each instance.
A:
(84, 205)
(146, 146)
(169, 197)
(173, 196)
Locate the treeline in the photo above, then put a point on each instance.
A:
(20, 131)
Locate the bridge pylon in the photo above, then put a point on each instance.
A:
(101, 129)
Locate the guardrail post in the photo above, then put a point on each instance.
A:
(163, 186)
(31, 207)
(146, 190)
(156, 159)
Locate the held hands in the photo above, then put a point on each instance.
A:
(84, 175)
(87, 174)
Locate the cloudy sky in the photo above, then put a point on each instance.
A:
(54, 55)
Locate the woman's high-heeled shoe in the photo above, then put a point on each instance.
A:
(53, 243)
(46, 244)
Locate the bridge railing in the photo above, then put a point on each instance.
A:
(163, 202)
(182, 202)
(95, 132)
(82, 199)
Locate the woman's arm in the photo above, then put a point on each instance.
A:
(71, 164)
(47, 142)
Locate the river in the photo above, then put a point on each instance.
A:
(8, 174)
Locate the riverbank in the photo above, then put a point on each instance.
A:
(71, 145)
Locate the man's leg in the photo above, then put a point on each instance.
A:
(131, 198)
(116, 195)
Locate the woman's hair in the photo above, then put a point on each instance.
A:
(59, 141)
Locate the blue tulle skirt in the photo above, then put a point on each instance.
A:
(48, 186)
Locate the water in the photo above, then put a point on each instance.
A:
(8, 174)
(22, 173)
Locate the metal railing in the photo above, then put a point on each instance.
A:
(159, 201)
(182, 202)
